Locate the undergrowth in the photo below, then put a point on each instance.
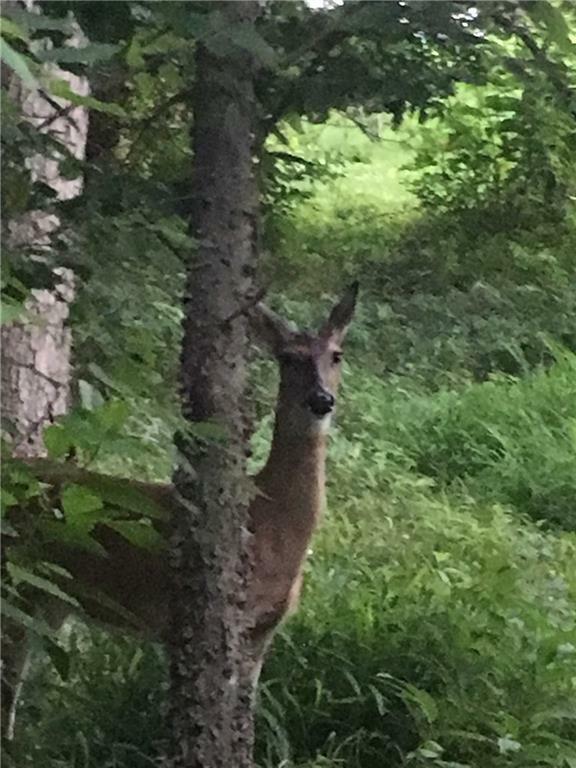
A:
(437, 628)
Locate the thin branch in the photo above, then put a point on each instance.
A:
(148, 122)
(249, 304)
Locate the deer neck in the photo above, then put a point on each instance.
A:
(294, 476)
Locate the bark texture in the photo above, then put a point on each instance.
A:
(212, 667)
(36, 350)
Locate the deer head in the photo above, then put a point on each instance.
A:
(310, 366)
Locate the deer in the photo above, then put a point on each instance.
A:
(283, 514)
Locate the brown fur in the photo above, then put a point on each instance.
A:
(283, 514)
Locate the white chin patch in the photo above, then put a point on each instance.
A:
(322, 424)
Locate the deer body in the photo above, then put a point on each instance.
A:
(283, 515)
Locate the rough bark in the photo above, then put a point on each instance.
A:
(35, 355)
(36, 350)
(212, 669)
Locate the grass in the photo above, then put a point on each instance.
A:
(437, 627)
(438, 623)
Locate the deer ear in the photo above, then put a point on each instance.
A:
(270, 328)
(341, 315)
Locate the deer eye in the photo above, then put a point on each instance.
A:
(336, 358)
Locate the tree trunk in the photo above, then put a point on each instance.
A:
(212, 668)
(36, 350)
(35, 355)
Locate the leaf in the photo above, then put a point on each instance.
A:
(507, 744)
(425, 702)
(7, 499)
(113, 414)
(6, 529)
(79, 503)
(39, 21)
(59, 657)
(554, 21)
(11, 310)
(120, 493)
(62, 90)
(88, 593)
(19, 64)
(57, 441)
(31, 623)
(77, 537)
(139, 533)
(90, 397)
(23, 575)
(87, 55)
(102, 376)
(431, 749)
(9, 28)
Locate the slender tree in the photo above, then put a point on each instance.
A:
(211, 672)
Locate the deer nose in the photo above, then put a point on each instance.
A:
(321, 403)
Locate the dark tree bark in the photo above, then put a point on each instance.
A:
(212, 669)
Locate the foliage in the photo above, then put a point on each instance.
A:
(505, 441)
(437, 628)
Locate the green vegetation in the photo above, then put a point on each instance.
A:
(438, 623)
(437, 626)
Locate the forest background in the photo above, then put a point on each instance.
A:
(437, 626)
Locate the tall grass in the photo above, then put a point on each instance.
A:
(438, 623)
(437, 627)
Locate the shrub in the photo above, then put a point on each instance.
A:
(507, 441)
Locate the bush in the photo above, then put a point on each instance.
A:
(506, 441)
(437, 627)
(430, 634)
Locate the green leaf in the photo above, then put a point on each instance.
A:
(62, 90)
(113, 414)
(88, 593)
(7, 499)
(87, 55)
(139, 533)
(120, 493)
(11, 310)
(90, 397)
(424, 701)
(31, 623)
(77, 537)
(24, 576)
(6, 529)
(57, 441)
(19, 63)
(39, 21)
(79, 503)
(9, 28)
(507, 744)
(555, 22)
